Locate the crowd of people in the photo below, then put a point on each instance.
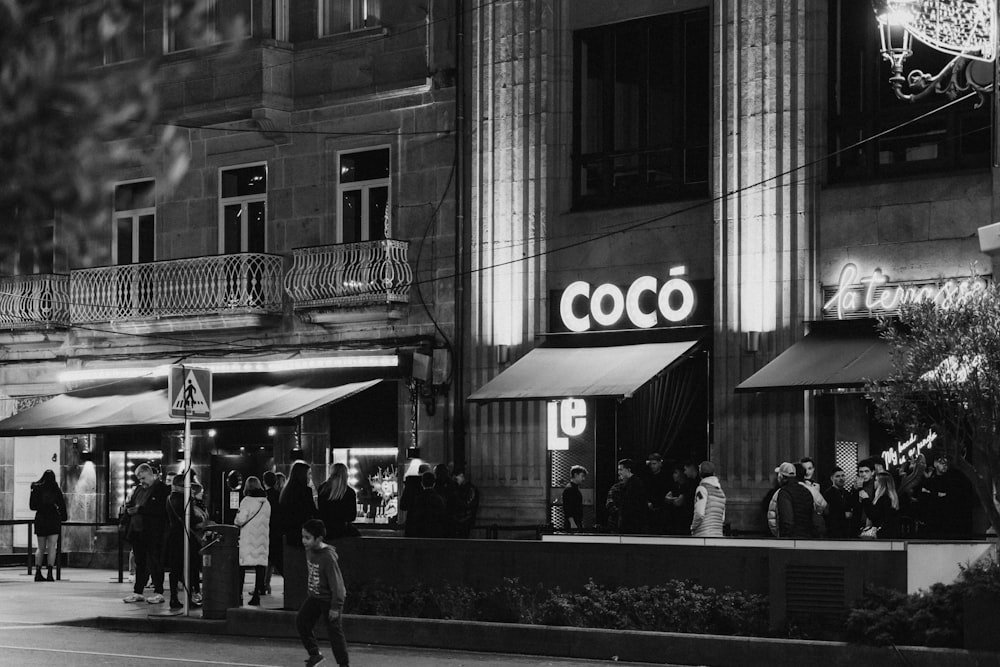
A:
(437, 503)
(687, 500)
(916, 500)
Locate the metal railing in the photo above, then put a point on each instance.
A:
(34, 301)
(350, 274)
(29, 555)
(237, 283)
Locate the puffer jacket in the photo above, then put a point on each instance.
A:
(709, 508)
(254, 521)
(795, 510)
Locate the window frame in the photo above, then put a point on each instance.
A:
(359, 12)
(687, 140)
(364, 187)
(135, 214)
(243, 200)
(170, 36)
(861, 104)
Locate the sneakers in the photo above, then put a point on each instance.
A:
(314, 660)
(156, 598)
(196, 599)
(135, 597)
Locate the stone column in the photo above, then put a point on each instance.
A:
(769, 62)
(520, 57)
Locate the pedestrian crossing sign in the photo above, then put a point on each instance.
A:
(190, 392)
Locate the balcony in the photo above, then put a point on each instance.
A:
(34, 302)
(350, 282)
(210, 293)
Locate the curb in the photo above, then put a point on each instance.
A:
(550, 641)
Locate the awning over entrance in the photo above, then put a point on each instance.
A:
(143, 404)
(826, 359)
(560, 372)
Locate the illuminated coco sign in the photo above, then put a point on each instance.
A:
(566, 419)
(582, 308)
(856, 296)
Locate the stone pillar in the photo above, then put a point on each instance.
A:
(520, 57)
(769, 62)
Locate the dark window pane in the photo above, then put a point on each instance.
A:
(351, 216)
(630, 75)
(371, 13)
(147, 238)
(338, 16)
(244, 182)
(132, 196)
(592, 93)
(124, 254)
(256, 222)
(232, 229)
(378, 199)
(364, 166)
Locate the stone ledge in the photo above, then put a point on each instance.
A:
(582, 643)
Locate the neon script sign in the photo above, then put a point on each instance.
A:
(907, 450)
(607, 304)
(856, 296)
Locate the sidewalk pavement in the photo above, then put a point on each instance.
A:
(83, 596)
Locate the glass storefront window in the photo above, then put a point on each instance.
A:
(121, 475)
(372, 473)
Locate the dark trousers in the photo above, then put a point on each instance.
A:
(260, 572)
(148, 564)
(310, 612)
(177, 570)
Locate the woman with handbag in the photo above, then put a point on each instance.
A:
(50, 512)
(883, 513)
(338, 505)
(254, 521)
(295, 506)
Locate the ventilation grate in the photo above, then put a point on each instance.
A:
(815, 590)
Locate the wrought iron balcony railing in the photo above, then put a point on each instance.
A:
(350, 274)
(34, 301)
(245, 283)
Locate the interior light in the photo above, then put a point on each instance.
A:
(273, 366)
(271, 431)
(211, 432)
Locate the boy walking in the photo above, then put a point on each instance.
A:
(326, 595)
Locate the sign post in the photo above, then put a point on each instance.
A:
(190, 393)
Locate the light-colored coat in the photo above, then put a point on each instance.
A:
(254, 521)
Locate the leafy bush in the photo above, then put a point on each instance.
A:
(928, 618)
(676, 606)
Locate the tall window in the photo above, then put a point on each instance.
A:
(123, 38)
(243, 209)
(363, 195)
(222, 17)
(133, 233)
(36, 249)
(337, 16)
(641, 118)
(862, 104)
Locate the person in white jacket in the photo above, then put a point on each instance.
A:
(254, 521)
(709, 504)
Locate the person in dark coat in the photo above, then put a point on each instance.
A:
(572, 499)
(275, 548)
(428, 515)
(883, 513)
(634, 511)
(445, 487)
(338, 505)
(658, 484)
(174, 546)
(945, 501)
(50, 511)
(795, 505)
(296, 506)
(841, 506)
(147, 528)
(467, 502)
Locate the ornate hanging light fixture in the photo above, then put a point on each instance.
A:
(966, 29)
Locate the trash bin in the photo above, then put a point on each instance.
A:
(220, 567)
